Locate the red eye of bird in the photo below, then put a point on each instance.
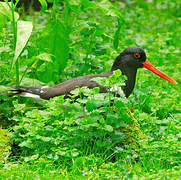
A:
(137, 55)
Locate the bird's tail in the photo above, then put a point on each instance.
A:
(33, 92)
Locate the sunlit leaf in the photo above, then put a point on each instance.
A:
(5, 48)
(108, 128)
(24, 30)
(108, 8)
(74, 2)
(26, 143)
(45, 57)
(6, 11)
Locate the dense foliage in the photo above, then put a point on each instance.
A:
(97, 135)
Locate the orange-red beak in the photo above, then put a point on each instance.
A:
(150, 67)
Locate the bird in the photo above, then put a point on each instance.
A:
(128, 61)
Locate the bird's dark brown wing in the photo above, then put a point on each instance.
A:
(67, 86)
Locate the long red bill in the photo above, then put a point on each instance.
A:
(150, 67)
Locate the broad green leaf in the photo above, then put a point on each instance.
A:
(43, 4)
(24, 30)
(6, 11)
(55, 41)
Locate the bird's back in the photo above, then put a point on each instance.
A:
(67, 86)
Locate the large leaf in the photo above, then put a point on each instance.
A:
(6, 11)
(55, 41)
(24, 30)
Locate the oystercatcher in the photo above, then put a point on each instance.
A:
(128, 62)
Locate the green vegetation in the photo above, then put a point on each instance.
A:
(5, 145)
(100, 137)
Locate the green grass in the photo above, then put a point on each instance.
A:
(63, 140)
(106, 171)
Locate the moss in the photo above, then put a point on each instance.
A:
(5, 144)
(132, 132)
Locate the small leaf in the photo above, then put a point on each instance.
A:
(75, 92)
(101, 80)
(45, 57)
(108, 128)
(74, 154)
(5, 48)
(31, 158)
(96, 90)
(74, 2)
(46, 139)
(27, 143)
(117, 73)
(108, 8)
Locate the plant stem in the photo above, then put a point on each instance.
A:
(66, 14)
(14, 44)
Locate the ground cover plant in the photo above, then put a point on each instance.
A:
(99, 136)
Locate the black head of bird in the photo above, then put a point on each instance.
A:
(129, 61)
(132, 58)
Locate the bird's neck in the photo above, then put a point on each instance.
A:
(131, 77)
(130, 82)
